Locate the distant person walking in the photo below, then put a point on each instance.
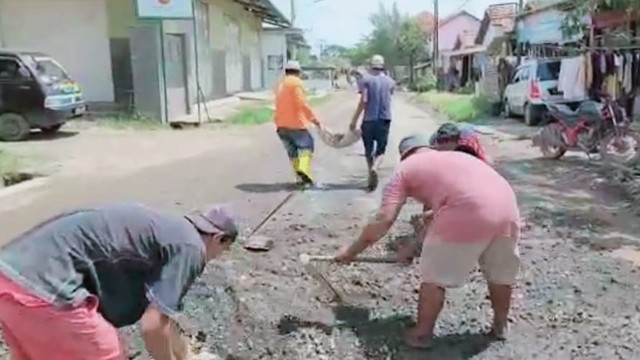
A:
(375, 90)
(292, 114)
(68, 283)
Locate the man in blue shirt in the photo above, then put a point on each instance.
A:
(376, 89)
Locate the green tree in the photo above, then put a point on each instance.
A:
(411, 43)
(574, 23)
(360, 53)
(387, 26)
(334, 51)
(398, 37)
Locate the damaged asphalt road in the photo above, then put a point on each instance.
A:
(575, 300)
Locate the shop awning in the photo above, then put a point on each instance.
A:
(266, 11)
(466, 51)
(615, 18)
(296, 36)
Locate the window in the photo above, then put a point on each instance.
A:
(521, 74)
(50, 68)
(548, 71)
(516, 76)
(9, 69)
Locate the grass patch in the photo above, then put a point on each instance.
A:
(131, 122)
(263, 113)
(251, 115)
(457, 107)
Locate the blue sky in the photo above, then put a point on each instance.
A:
(345, 22)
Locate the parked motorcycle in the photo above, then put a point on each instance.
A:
(595, 127)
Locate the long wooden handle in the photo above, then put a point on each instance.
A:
(358, 259)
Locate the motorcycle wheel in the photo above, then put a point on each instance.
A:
(612, 140)
(548, 151)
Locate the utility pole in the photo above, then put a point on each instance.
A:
(436, 23)
(293, 12)
(518, 45)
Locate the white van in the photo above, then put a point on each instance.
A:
(534, 82)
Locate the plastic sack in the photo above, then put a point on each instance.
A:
(339, 140)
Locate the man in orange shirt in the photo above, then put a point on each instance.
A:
(291, 116)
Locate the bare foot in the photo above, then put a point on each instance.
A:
(499, 332)
(416, 338)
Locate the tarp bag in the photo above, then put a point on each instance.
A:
(339, 140)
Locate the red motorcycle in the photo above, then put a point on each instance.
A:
(595, 127)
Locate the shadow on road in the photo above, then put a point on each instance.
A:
(279, 187)
(382, 338)
(572, 194)
(41, 136)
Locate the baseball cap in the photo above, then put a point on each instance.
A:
(377, 62)
(214, 220)
(292, 65)
(411, 143)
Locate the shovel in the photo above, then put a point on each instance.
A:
(307, 261)
(259, 243)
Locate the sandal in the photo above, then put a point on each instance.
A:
(373, 180)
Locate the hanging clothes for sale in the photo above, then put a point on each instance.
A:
(588, 71)
(597, 75)
(571, 80)
(611, 86)
(636, 70)
(627, 77)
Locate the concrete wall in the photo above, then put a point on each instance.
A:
(74, 32)
(211, 46)
(448, 34)
(274, 43)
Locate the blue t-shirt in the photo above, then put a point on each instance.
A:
(377, 89)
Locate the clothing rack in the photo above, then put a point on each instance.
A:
(592, 48)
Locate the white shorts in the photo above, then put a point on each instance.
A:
(448, 264)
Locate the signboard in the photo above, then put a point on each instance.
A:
(543, 27)
(164, 9)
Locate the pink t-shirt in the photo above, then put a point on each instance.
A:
(470, 200)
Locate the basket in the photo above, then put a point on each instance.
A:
(339, 140)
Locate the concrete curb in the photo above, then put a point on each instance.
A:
(24, 186)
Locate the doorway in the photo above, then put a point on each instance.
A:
(175, 64)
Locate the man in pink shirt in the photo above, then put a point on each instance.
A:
(475, 219)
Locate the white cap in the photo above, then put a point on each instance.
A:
(377, 62)
(292, 65)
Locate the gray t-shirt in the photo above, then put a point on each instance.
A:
(127, 255)
(377, 89)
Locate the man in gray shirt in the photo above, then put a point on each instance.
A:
(67, 284)
(376, 89)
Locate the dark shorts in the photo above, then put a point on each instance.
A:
(375, 135)
(295, 140)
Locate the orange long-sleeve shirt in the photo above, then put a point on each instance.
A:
(292, 108)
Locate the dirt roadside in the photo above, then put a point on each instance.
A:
(575, 300)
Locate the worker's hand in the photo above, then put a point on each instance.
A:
(406, 252)
(344, 256)
(353, 125)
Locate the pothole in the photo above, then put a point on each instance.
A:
(15, 178)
